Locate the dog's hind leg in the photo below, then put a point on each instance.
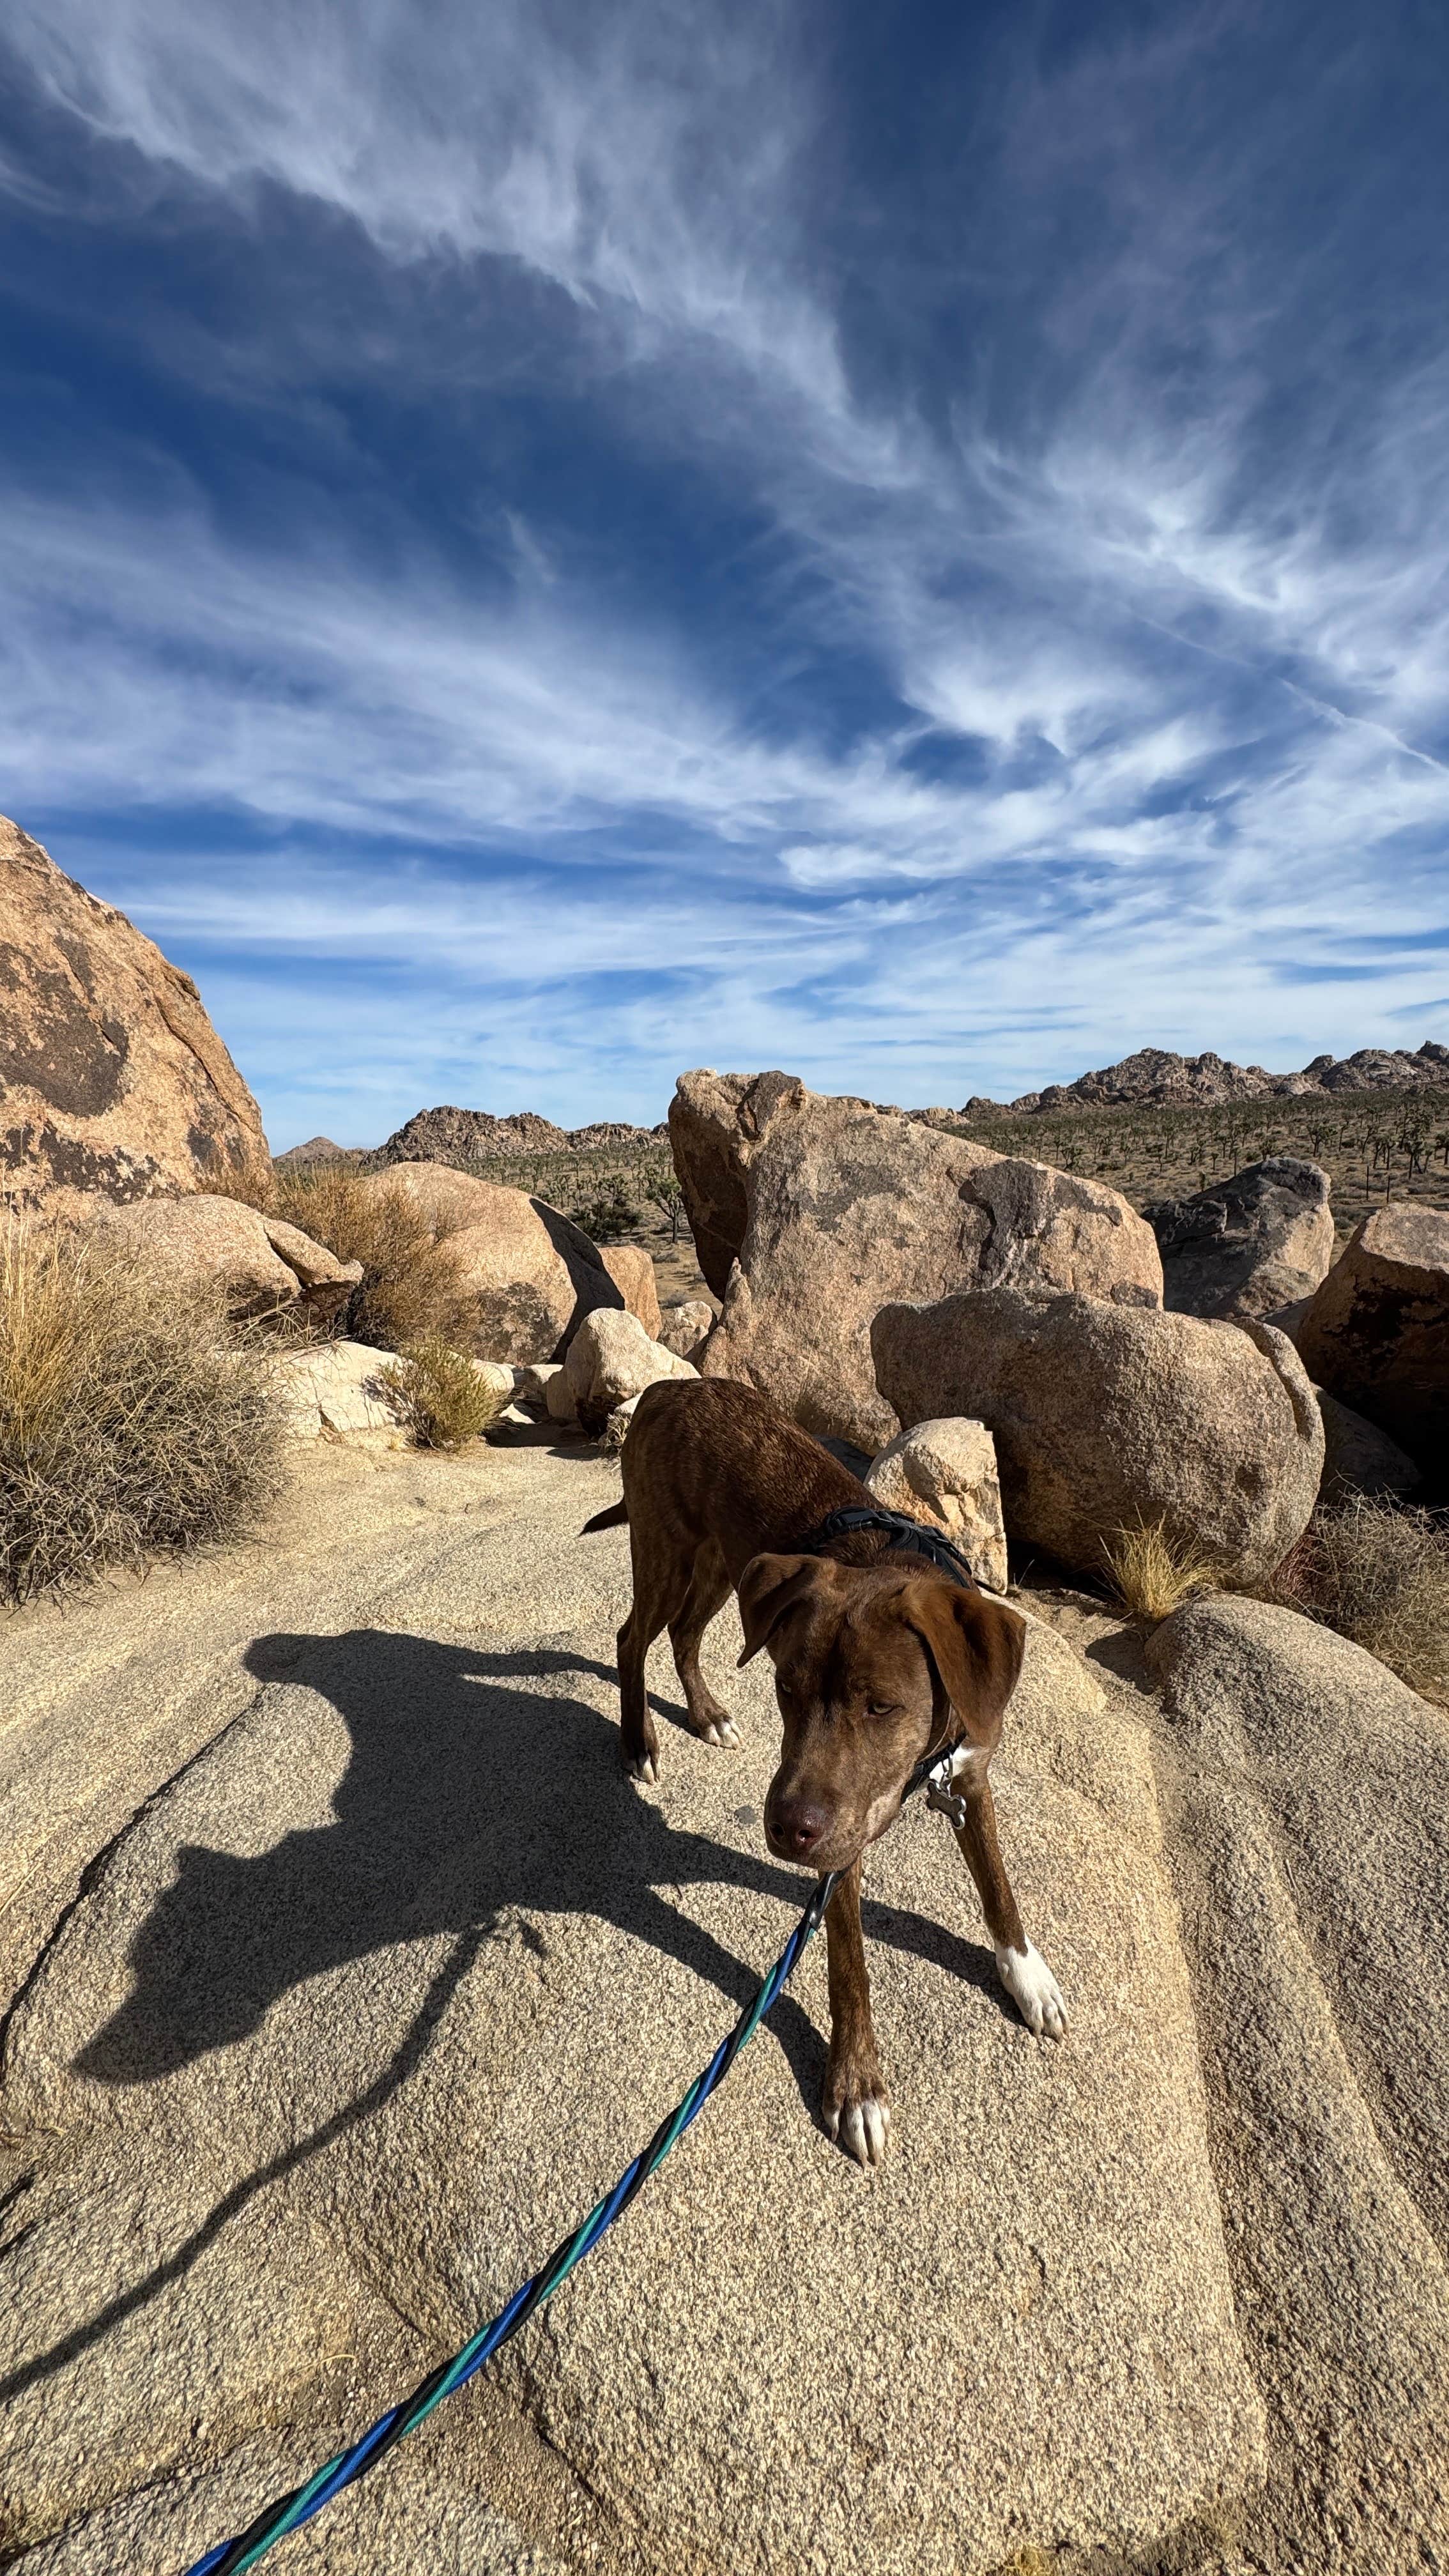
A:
(709, 1589)
(661, 1589)
(1022, 1969)
(641, 1741)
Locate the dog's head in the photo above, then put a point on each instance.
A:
(869, 1664)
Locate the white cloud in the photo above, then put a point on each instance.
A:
(1186, 685)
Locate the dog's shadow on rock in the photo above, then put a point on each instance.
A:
(468, 1797)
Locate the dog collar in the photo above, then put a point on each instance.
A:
(912, 1536)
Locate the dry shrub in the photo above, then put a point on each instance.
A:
(440, 1395)
(129, 1426)
(1378, 1572)
(1153, 1573)
(411, 1289)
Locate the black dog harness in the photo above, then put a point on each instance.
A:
(913, 1536)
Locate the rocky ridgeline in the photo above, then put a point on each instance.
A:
(475, 1136)
(1155, 1078)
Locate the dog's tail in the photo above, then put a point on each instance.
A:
(611, 1519)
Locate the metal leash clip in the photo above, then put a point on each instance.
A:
(940, 1794)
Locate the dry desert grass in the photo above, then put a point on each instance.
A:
(440, 1396)
(1151, 1573)
(130, 1424)
(1378, 1572)
(411, 1289)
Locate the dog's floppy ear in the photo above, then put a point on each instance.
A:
(975, 1644)
(768, 1587)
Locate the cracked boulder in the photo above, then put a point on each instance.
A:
(113, 1082)
(810, 1213)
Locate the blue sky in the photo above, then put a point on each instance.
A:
(546, 544)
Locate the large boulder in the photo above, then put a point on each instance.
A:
(530, 1273)
(352, 2020)
(1308, 1792)
(827, 1208)
(1108, 1417)
(1377, 1332)
(610, 1360)
(945, 1472)
(632, 1272)
(112, 1078)
(255, 1265)
(1248, 1246)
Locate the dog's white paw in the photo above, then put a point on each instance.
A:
(645, 1768)
(1034, 1991)
(860, 2122)
(722, 1731)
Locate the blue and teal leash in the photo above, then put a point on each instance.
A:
(289, 2512)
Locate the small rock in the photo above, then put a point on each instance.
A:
(611, 1357)
(558, 1397)
(531, 1384)
(335, 1388)
(945, 1471)
(685, 1328)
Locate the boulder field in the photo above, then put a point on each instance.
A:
(346, 1970)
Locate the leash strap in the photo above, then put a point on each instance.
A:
(912, 1536)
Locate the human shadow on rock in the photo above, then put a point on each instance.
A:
(468, 1797)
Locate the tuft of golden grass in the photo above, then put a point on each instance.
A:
(1377, 1571)
(411, 1289)
(130, 1426)
(438, 1392)
(1152, 1573)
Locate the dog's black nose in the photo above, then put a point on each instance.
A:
(799, 1826)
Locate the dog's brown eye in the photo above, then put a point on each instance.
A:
(881, 1708)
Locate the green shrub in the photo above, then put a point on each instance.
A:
(608, 1218)
(438, 1392)
(130, 1424)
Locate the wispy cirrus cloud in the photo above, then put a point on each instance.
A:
(958, 612)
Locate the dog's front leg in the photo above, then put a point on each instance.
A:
(1022, 1970)
(855, 2104)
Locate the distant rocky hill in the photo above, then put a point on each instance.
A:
(475, 1136)
(1154, 1076)
(320, 1149)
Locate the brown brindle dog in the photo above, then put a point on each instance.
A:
(879, 1659)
